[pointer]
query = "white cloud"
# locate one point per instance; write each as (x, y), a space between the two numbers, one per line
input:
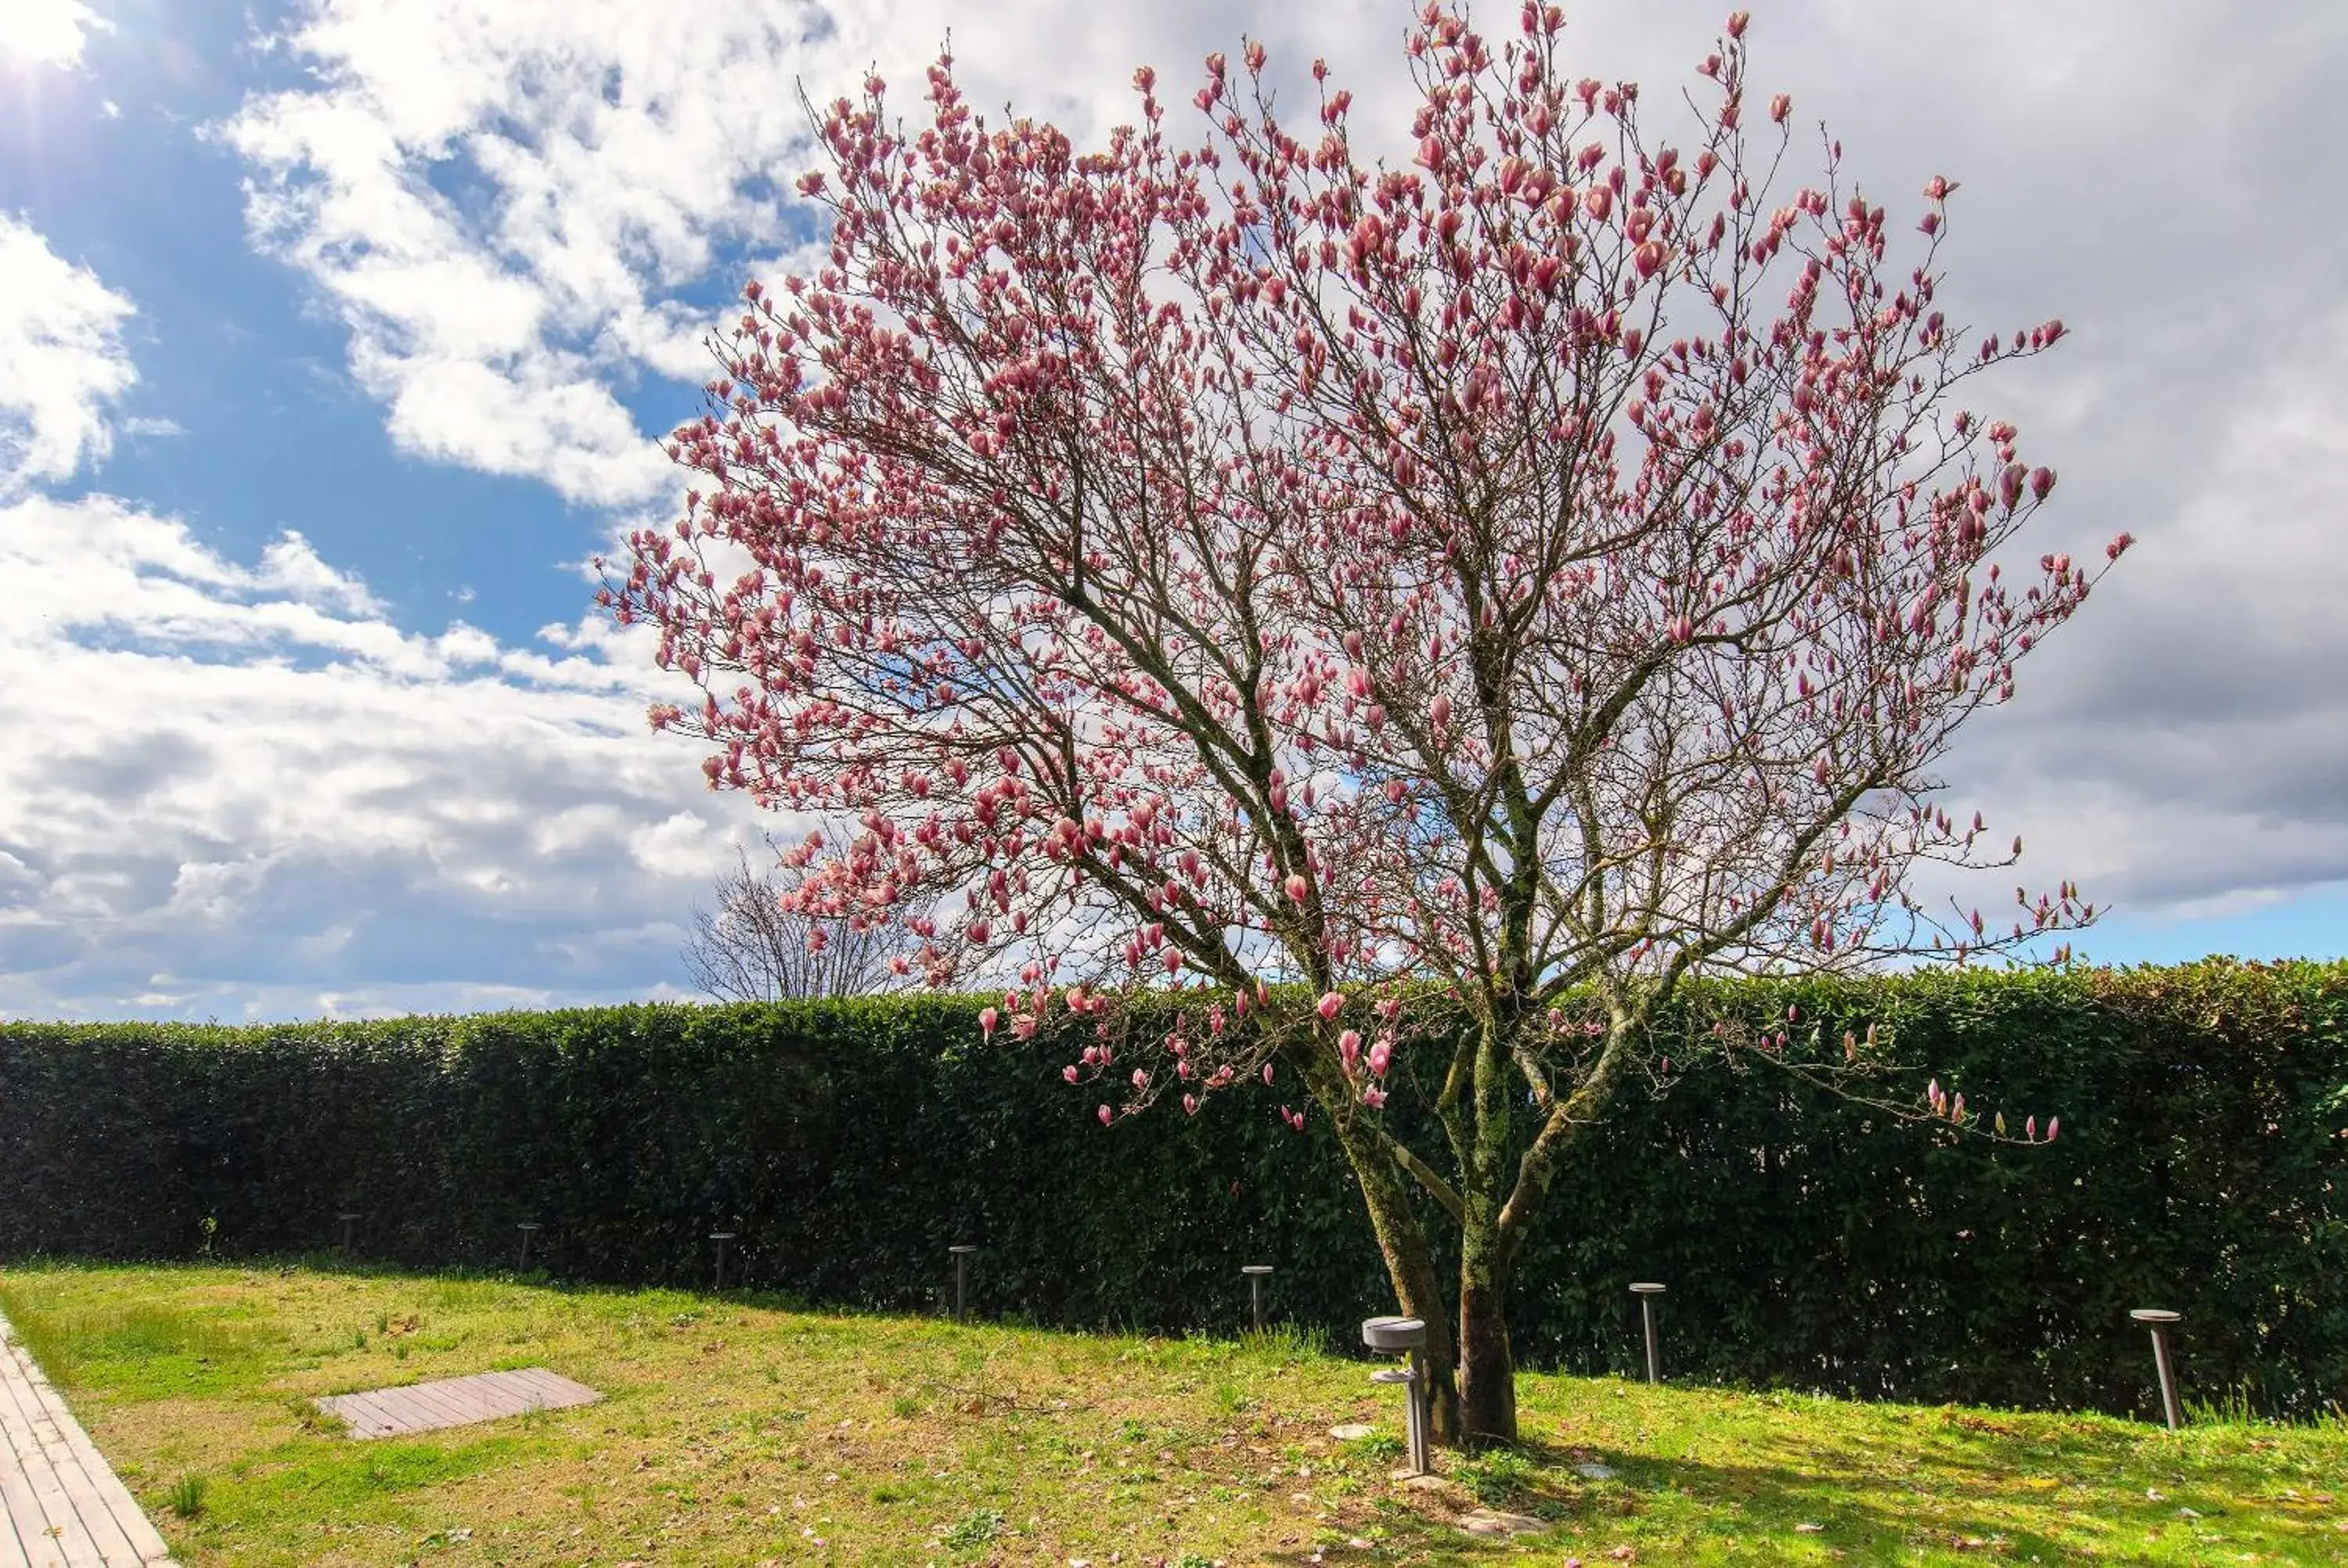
(251, 789)
(518, 209)
(498, 200)
(62, 362)
(48, 32)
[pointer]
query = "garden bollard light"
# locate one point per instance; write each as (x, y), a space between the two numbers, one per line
(2157, 1320)
(962, 1276)
(1405, 1335)
(528, 1228)
(721, 1238)
(347, 1221)
(1646, 1292)
(1256, 1274)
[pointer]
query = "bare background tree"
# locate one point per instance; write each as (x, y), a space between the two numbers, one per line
(752, 950)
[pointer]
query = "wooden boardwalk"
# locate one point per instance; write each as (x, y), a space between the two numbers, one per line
(61, 1505)
(453, 1402)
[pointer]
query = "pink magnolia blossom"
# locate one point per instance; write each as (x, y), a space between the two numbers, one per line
(1331, 1004)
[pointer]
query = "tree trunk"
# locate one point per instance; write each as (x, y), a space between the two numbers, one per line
(1487, 1364)
(1410, 1264)
(1487, 1368)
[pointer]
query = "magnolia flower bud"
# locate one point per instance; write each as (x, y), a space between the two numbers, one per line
(987, 1018)
(1438, 713)
(1297, 887)
(1330, 1005)
(1349, 1047)
(1069, 1072)
(1106, 1115)
(1780, 107)
(1189, 1105)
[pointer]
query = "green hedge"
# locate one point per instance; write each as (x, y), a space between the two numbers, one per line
(1806, 1241)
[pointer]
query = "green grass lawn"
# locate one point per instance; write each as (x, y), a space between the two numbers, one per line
(740, 1432)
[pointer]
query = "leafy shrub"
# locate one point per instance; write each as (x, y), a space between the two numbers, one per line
(1807, 1242)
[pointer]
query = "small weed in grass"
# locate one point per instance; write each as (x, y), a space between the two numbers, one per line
(314, 1420)
(1496, 1476)
(186, 1497)
(980, 1527)
(1284, 1342)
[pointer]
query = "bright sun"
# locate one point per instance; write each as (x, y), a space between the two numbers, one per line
(46, 31)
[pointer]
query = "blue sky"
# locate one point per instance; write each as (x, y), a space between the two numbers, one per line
(334, 335)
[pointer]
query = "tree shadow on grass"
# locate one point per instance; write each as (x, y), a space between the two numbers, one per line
(1661, 1506)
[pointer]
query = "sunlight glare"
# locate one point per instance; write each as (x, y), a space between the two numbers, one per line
(46, 31)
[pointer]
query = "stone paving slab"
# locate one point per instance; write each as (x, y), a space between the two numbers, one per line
(451, 1403)
(61, 1504)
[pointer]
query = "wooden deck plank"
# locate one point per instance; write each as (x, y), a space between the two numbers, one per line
(447, 1403)
(364, 1414)
(98, 1496)
(16, 1501)
(560, 1392)
(139, 1534)
(55, 1428)
(61, 1504)
(55, 1533)
(467, 1398)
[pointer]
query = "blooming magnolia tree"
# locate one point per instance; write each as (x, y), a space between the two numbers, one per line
(1515, 580)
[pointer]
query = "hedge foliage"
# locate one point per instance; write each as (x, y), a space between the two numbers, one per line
(1807, 1241)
